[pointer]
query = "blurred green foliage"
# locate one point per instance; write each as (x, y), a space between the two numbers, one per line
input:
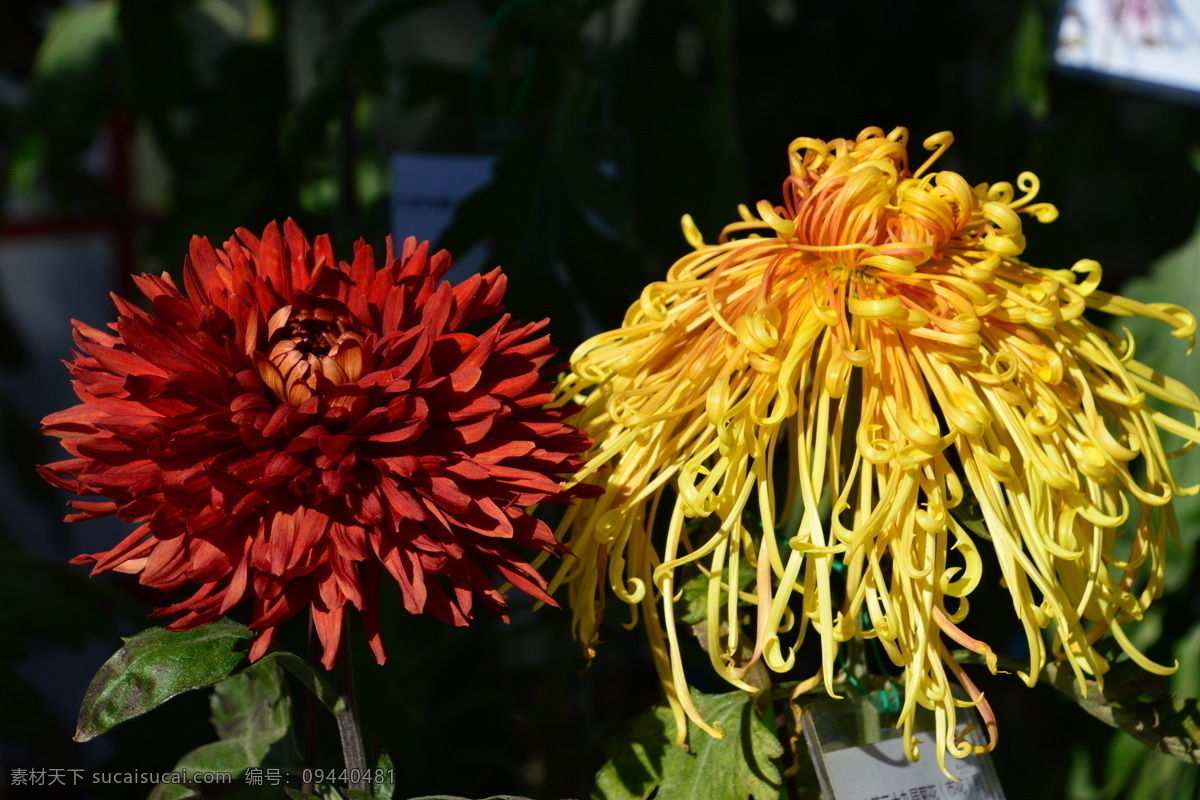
(610, 120)
(1123, 768)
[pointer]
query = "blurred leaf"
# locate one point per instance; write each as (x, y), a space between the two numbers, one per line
(159, 73)
(1173, 279)
(354, 52)
(251, 714)
(1123, 768)
(71, 91)
(644, 760)
(156, 665)
(1128, 770)
(299, 795)
(71, 60)
(1031, 58)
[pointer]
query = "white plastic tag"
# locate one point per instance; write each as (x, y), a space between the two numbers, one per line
(857, 758)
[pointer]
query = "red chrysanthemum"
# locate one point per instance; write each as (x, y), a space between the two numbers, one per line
(289, 427)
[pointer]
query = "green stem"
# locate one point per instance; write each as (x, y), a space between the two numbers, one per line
(347, 719)
(309, 730)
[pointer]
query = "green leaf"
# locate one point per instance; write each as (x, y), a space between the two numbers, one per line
(72, 83)
(357, 794)
(692, 606)
(312, 678)
(645, 759)
(969, 514)
(71, 90)
(157, 664)
(75, 34)
(296, 794)
(385, 788)
(154, 666)
(251, 713)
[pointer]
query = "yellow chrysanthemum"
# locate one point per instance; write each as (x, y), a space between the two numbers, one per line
(849, 368)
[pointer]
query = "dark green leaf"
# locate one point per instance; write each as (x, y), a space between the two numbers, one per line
(251, 713)
(1133, 703)
(296, 794)
(154, 666)
(1132, 700)
(157, 664)
(645, 757)
(357, 794)
(969, 514)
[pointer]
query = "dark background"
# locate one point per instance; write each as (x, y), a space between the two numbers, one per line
(137, 123)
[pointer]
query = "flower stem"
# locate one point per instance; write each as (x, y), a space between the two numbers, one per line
(308, 735)
(347, 719)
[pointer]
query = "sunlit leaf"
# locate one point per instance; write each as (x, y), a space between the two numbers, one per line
(644, 760)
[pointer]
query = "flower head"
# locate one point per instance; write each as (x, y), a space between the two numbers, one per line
(821, 395)
(290, 427)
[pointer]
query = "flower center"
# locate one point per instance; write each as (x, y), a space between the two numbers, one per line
(305, 347)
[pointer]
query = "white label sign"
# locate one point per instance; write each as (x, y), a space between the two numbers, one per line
(881, 772)
(1156, 44)
(857, 757)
